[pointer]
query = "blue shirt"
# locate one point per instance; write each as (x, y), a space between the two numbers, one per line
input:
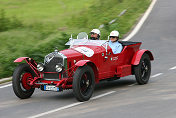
(116, 47)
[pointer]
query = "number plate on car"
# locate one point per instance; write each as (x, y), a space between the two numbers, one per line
(50, 88)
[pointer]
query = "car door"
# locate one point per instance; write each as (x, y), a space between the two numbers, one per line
(106, 64)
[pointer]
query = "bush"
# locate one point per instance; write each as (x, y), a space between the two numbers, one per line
(8, 23)
(36, 50)
(3, 21)
(54, 41)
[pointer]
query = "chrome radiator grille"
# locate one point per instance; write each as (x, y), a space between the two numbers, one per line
(50, 67)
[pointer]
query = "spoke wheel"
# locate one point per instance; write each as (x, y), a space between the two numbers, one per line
(25, 79)
(143, 70)
(83, 83)
(22, 76)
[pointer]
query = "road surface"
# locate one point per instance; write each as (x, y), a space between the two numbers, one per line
(116, 99)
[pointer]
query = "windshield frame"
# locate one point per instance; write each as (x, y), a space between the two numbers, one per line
(74, 42)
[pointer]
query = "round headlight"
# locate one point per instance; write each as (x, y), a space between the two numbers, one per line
(40, 67)
(58, 67)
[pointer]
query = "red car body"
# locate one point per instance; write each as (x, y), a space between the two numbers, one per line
(100, 58)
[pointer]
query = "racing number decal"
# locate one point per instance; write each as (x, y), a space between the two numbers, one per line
(86, 51)
(114, 58)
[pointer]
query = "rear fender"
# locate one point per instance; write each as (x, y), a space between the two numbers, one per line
(137, 56)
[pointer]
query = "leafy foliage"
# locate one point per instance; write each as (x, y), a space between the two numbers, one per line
(8, 23)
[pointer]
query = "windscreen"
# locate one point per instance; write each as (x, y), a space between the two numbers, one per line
(86, 42)
(82, 39)
(82, 35)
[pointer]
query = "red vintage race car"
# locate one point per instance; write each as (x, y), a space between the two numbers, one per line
(80, 67)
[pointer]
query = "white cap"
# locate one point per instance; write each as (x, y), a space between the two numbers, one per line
(114, 33)
(97, 31)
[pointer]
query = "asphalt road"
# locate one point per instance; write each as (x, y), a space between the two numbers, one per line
(157, 99)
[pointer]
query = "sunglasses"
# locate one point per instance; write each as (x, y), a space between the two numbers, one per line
(112, 36)
(92, 33)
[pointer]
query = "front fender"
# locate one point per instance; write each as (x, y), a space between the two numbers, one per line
(82, 62)
(20, 59)
(91, 64)
(137, 56)
(31, 63)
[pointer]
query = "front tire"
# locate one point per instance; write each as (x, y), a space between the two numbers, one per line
(20, 82)
(143, 70)
(83, 83)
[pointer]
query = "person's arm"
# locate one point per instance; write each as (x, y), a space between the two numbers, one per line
(118, 49)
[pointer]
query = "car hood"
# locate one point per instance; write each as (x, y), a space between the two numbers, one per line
(87, 51)
(69, 53)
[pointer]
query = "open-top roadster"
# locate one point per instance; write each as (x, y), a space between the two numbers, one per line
(85, 63)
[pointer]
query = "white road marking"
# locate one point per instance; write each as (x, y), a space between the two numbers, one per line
(69, 106)
(5, 86)
(172, 68)
(99, 96)
(5, 79)
(139, 25)
(58, 109)
(156, 75)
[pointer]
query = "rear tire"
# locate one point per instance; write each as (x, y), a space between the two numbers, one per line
(83, 83)
(20, 80)
(143, 70)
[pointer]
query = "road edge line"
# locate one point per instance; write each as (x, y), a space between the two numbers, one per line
(141, 22)
(4, 86)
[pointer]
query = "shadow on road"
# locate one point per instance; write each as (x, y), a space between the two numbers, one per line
(100, 88)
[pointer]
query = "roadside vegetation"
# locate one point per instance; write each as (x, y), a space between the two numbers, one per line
(35, 28)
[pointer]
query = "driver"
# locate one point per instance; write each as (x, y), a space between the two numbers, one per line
(113, 43)
(95, 34)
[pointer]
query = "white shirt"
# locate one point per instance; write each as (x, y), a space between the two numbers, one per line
(115, 46)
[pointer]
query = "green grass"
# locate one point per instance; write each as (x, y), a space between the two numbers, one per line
(48, 24)
(47, 12)
(105, 11)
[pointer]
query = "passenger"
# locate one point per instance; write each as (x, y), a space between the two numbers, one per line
(113, 43)
(95, 34)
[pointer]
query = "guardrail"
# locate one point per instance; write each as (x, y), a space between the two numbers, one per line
(112, 21)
